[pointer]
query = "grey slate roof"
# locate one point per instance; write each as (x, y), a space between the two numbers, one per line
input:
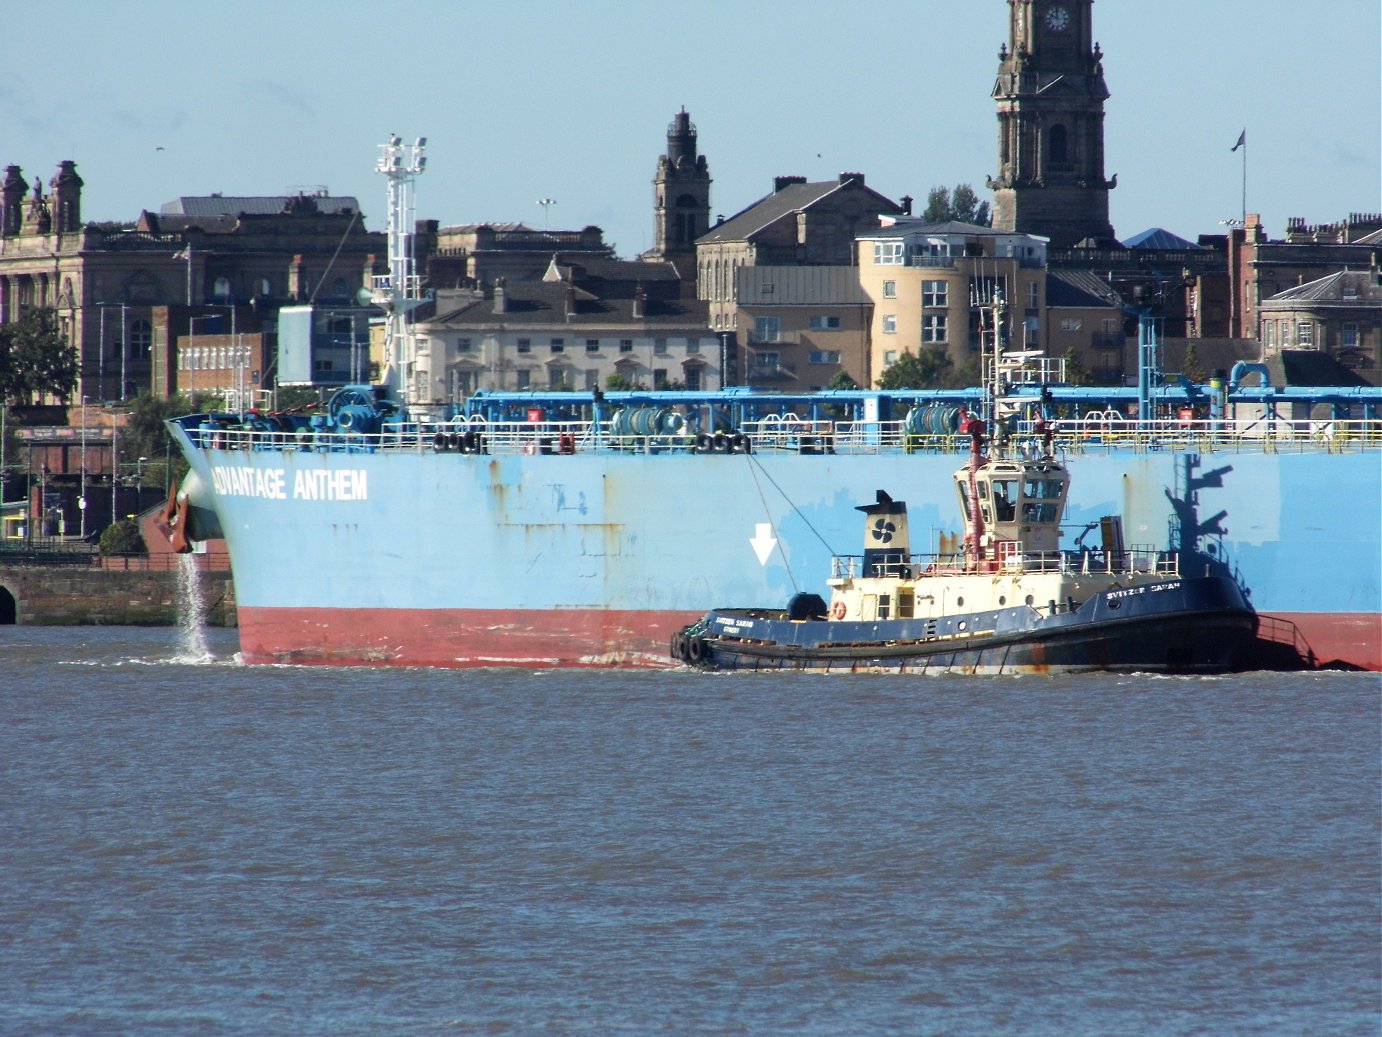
(743, 225)
(1331, 289)
(800, 286)
(1160, 240)
(1078, 289)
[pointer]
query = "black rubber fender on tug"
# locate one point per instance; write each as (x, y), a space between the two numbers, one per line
(697, 651)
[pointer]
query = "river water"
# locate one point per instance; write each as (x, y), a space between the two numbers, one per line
(189, 846)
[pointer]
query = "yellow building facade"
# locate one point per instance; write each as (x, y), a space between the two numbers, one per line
(931, 283)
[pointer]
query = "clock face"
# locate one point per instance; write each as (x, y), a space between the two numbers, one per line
(1057, 19)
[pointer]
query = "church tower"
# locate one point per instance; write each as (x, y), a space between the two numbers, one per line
(1050, 94)
(681, 193)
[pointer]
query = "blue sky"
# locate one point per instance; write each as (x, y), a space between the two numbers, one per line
(529, 99)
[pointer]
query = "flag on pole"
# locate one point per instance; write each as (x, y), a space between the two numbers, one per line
(1242, 141)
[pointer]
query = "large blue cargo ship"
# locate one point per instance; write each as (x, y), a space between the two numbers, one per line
(570, 529)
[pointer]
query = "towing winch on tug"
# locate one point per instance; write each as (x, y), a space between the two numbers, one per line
(1005, 598)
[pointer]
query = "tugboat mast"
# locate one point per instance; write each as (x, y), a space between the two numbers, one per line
(399, 291)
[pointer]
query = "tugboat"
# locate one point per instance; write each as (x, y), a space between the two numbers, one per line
(1006, 600)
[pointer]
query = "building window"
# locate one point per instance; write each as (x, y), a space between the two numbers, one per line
(693, 378)
(660, 347)
(626, 345)
(521, 379)
(558, 345)
(887, 253)
(1071, 324)
(659, 378)
(890, 289)
(592, 345)
(463, 345)
(890, 324)
(1033, 296)
(693, 345)
(825, 356)
(592, 379)
(221, 289)
(141, 339)
(1348, 336)
(1305, 335)
(1270, 328)
(767, 329)
(933, 328)
(525, 345)
(824, 323)
(889, 357)
(935, 293)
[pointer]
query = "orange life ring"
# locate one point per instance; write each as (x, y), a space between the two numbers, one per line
(838, 610)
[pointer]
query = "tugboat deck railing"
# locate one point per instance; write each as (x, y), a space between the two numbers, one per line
(1137, 560)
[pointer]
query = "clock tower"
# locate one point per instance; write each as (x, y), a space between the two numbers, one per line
(1050, 94)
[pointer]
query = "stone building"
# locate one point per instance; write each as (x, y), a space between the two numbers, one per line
(579, 325)
(124, 292)
(1050, 94)
(1339, 315)
(799, 224)
(681, 198)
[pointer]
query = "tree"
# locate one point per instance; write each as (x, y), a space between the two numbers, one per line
(842, 380)
(962, 204)
(618, 383)
(122, 538)
(1194, 370)
(146, 435)
(925, 370)
(35, 360)
(1075, 373)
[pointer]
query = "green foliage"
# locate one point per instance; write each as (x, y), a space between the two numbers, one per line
(297, 397)
(1075, 373)
(34, 358)
(842, 381)
(1194, 370)
(618, 383)
(962, 204)
(925, 370)
(123, 539)
(146, 435)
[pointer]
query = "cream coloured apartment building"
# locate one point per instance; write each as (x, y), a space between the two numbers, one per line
(929, 281)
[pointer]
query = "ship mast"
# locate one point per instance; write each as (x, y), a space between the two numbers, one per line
(399, 291)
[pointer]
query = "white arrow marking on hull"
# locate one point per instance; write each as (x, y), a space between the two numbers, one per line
(763, 541)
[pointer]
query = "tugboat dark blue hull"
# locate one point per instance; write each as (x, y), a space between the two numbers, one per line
(1182, 626)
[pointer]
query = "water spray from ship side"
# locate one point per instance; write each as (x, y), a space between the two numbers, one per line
(191, 609)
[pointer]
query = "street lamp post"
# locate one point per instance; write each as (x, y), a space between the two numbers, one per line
(81, 498)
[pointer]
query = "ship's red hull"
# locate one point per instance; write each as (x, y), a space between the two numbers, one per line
(538, 639)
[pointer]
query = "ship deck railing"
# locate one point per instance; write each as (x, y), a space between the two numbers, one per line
(788, 434)
(1142, 560)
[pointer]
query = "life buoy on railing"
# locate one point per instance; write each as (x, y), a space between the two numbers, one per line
(837, 610)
